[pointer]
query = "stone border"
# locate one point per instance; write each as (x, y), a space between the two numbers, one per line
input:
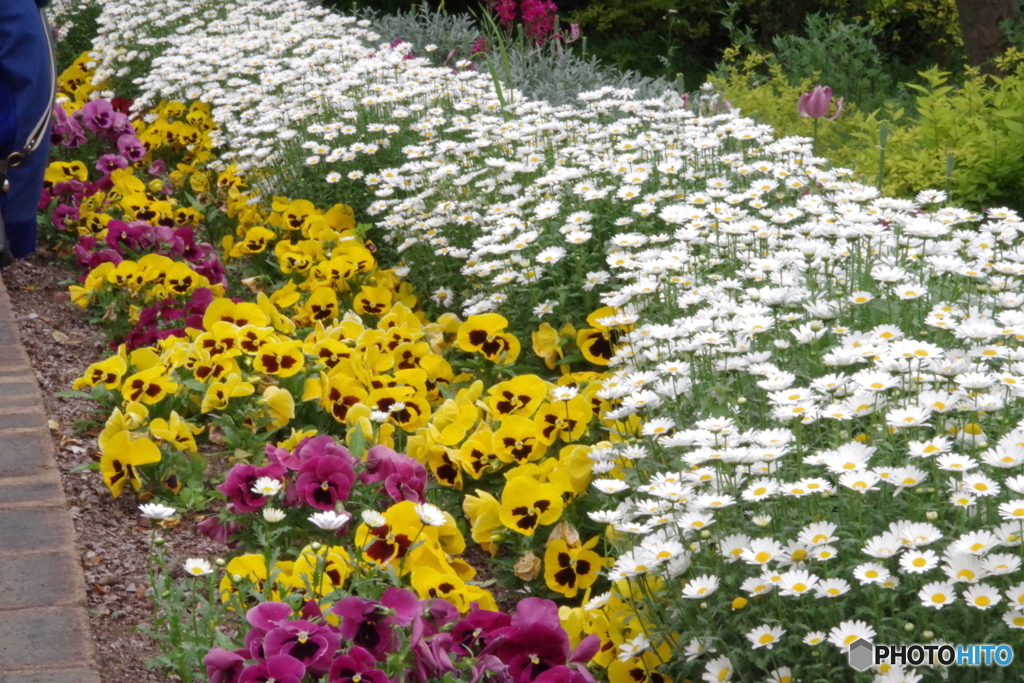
(44, 622)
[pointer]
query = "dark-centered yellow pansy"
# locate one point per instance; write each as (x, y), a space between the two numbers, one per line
(122, 458)
(108, 373)
(254, 241)
(409, 410)
(336, 393)
(322, 305)
(252, 338)
(148, 386)
(570, 569)
(520, 395)
(430, 583)
(331, 564)
(239, 314)
(176, 432)
(220, 393)
(485, 334)
(527, 504)
(518, 441)
(211, 369)
(375, 301)
(220, 340)
(597, 342)
(284, 358)
(330, 352)
(180, 279)
(565, 420)
(298, 257)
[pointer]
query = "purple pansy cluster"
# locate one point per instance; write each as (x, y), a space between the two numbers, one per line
(431, 637)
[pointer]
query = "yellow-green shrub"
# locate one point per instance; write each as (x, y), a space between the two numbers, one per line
(979, 126)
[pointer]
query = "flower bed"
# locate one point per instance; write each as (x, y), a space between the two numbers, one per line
(718, 409)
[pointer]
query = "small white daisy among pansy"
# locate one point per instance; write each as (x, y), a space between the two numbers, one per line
(156, 511)
(198, 567)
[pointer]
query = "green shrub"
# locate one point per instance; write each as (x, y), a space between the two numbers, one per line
(978, 126)
(844, 55)
(556, 75)
(423, 26)
(551, 72)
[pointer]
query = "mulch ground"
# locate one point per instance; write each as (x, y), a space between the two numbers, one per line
(113, 540)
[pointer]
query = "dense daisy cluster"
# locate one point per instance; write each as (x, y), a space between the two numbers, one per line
(814, 389)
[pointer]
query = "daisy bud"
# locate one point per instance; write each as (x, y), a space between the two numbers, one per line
(742, 400)
(237, 578)
(931, 514)
(927, 635)
(158, 541)
(316, 545)
(220, 562)
(703, 605)
(908, 626)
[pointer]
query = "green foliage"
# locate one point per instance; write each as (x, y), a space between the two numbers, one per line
(551, 72)
(842, 55)
(980, 124)
(772, 99)
(422, 26)
(557, 75)
(928, 29)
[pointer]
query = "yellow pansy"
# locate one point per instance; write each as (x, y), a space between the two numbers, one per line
(527, 504)
(517, 440)
(122, 457)
(176, 431)
(148, 386)
(220, 394)
(280, 405)
(108, 373)
(486, 335)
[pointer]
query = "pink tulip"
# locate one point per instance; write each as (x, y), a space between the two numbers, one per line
(815, 104)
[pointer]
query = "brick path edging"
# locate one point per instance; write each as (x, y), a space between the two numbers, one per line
(44, 622)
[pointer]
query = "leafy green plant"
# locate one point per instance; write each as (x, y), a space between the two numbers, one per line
(843, 55)
(980, 126)
(452, 34)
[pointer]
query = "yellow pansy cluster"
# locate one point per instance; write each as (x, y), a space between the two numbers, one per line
(150, 278)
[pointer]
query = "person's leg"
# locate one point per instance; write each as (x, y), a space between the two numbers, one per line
(26, 82)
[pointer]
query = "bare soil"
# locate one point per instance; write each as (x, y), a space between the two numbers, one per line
(113, 540)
